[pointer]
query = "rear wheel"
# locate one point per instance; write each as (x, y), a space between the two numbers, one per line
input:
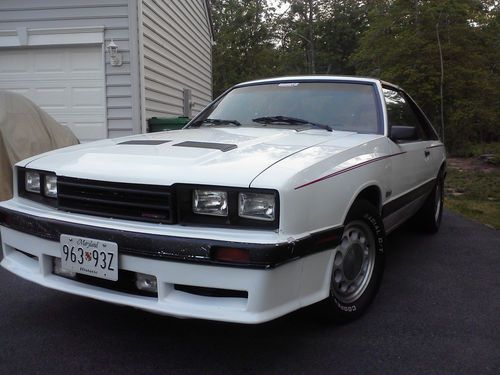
(429, 216)
(358, 264)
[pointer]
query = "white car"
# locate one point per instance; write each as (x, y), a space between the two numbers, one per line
(278, 195)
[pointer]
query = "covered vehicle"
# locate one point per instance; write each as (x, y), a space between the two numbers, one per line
(277, 196)
(25, 130)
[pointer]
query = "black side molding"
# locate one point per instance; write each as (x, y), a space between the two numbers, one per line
(409, 197)
(224, 147)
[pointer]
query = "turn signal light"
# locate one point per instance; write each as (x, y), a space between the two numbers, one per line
(230, 254)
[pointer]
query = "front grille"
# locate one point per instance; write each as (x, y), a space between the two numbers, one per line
(149, 203)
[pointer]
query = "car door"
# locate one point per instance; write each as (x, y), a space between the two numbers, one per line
(411, 164)
(434, 147)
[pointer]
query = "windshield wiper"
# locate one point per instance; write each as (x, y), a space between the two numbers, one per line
(218, 121)
(289, 120)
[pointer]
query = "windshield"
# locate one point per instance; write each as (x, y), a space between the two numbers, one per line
(297, 105)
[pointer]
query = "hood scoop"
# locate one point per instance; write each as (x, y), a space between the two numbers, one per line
(151, 142)
(224, 147)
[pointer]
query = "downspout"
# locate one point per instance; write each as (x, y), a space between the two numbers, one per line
(142, 81)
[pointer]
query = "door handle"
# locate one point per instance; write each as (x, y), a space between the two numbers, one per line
(427, 153)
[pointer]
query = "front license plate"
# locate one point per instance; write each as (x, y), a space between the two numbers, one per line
(89, 257)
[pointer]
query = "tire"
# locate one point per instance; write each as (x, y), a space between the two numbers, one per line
(428, 218)
(358, 265)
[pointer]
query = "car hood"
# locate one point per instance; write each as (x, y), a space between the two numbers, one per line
(216, 156)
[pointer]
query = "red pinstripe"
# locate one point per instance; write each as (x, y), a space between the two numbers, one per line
(349, 169)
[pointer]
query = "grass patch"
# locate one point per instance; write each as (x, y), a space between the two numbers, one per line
(474, 194)
(484, 148)
(474, 151)
(481, 211)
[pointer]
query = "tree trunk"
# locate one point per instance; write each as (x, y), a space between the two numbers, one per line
(312, 51)
(441, 81)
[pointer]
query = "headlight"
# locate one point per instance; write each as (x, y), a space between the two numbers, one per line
(210, 202)
(32, 182)
(50, 186)
(227, 206)
(257, 206)
(38, 186)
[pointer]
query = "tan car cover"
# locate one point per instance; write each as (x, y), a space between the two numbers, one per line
(25, 130)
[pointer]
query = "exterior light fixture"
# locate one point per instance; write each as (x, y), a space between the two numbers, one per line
(115, 57)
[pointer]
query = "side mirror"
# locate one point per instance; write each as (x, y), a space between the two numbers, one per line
(402, 133)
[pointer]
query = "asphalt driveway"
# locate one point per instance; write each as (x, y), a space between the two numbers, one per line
(438, 312)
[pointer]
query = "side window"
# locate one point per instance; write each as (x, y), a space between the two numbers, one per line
(401, 113)
(424, 122)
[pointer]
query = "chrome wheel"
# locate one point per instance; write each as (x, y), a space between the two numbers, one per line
(353, 262)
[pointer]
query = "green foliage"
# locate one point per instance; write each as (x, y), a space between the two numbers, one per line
(484, 212)
(396, 40)
(327, 29)
(243, 42)
(401, 46)
(478, 149)
(475, 184)
(342, 24)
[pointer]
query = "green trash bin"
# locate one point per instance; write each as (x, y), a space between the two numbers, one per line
(160, 124)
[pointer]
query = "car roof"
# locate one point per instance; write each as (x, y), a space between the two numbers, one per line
(316, 78)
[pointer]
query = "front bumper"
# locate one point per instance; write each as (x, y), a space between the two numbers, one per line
(280, 279)
(197, 250)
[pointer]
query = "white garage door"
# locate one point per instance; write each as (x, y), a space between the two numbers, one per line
(67, 82)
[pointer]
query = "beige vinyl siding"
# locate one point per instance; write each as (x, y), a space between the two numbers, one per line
(122, 94)
(176, 55)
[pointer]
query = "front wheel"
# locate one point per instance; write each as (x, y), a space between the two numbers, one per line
(358, 264)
